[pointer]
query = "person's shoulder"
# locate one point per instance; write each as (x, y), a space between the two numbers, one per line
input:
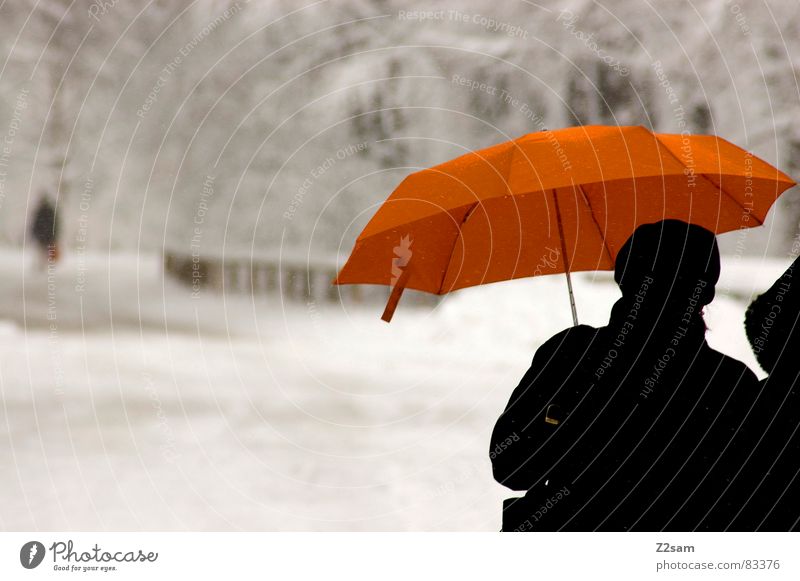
(733, 368)
(569, 339)
(578, 333)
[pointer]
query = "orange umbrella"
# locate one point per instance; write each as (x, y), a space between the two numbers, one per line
(554, 202)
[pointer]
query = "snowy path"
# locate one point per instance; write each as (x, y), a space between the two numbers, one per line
(145, 409)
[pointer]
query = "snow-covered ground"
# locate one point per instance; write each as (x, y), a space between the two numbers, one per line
(126, 404)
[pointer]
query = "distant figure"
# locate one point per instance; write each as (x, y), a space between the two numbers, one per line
(45, 231)
(621, 428)
(770, 496)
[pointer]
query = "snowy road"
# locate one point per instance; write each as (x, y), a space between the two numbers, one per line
(128, 405)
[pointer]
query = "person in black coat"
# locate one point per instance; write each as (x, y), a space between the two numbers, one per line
(44, 230)
(622, 427)
(769, 495)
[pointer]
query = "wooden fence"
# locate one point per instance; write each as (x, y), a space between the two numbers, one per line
(292, 278)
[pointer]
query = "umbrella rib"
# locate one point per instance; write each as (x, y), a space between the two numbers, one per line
(705, 177)
(594, 219)
(738, 203)
(469, 212)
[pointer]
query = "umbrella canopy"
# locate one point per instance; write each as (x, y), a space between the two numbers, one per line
(554, 202)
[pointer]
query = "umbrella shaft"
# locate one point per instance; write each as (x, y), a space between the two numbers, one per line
(566, 260)
(572, 300)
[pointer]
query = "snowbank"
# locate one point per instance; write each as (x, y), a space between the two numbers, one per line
(144, 409)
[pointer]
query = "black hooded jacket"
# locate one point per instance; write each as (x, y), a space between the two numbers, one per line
(769, 495)
(623, 427)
